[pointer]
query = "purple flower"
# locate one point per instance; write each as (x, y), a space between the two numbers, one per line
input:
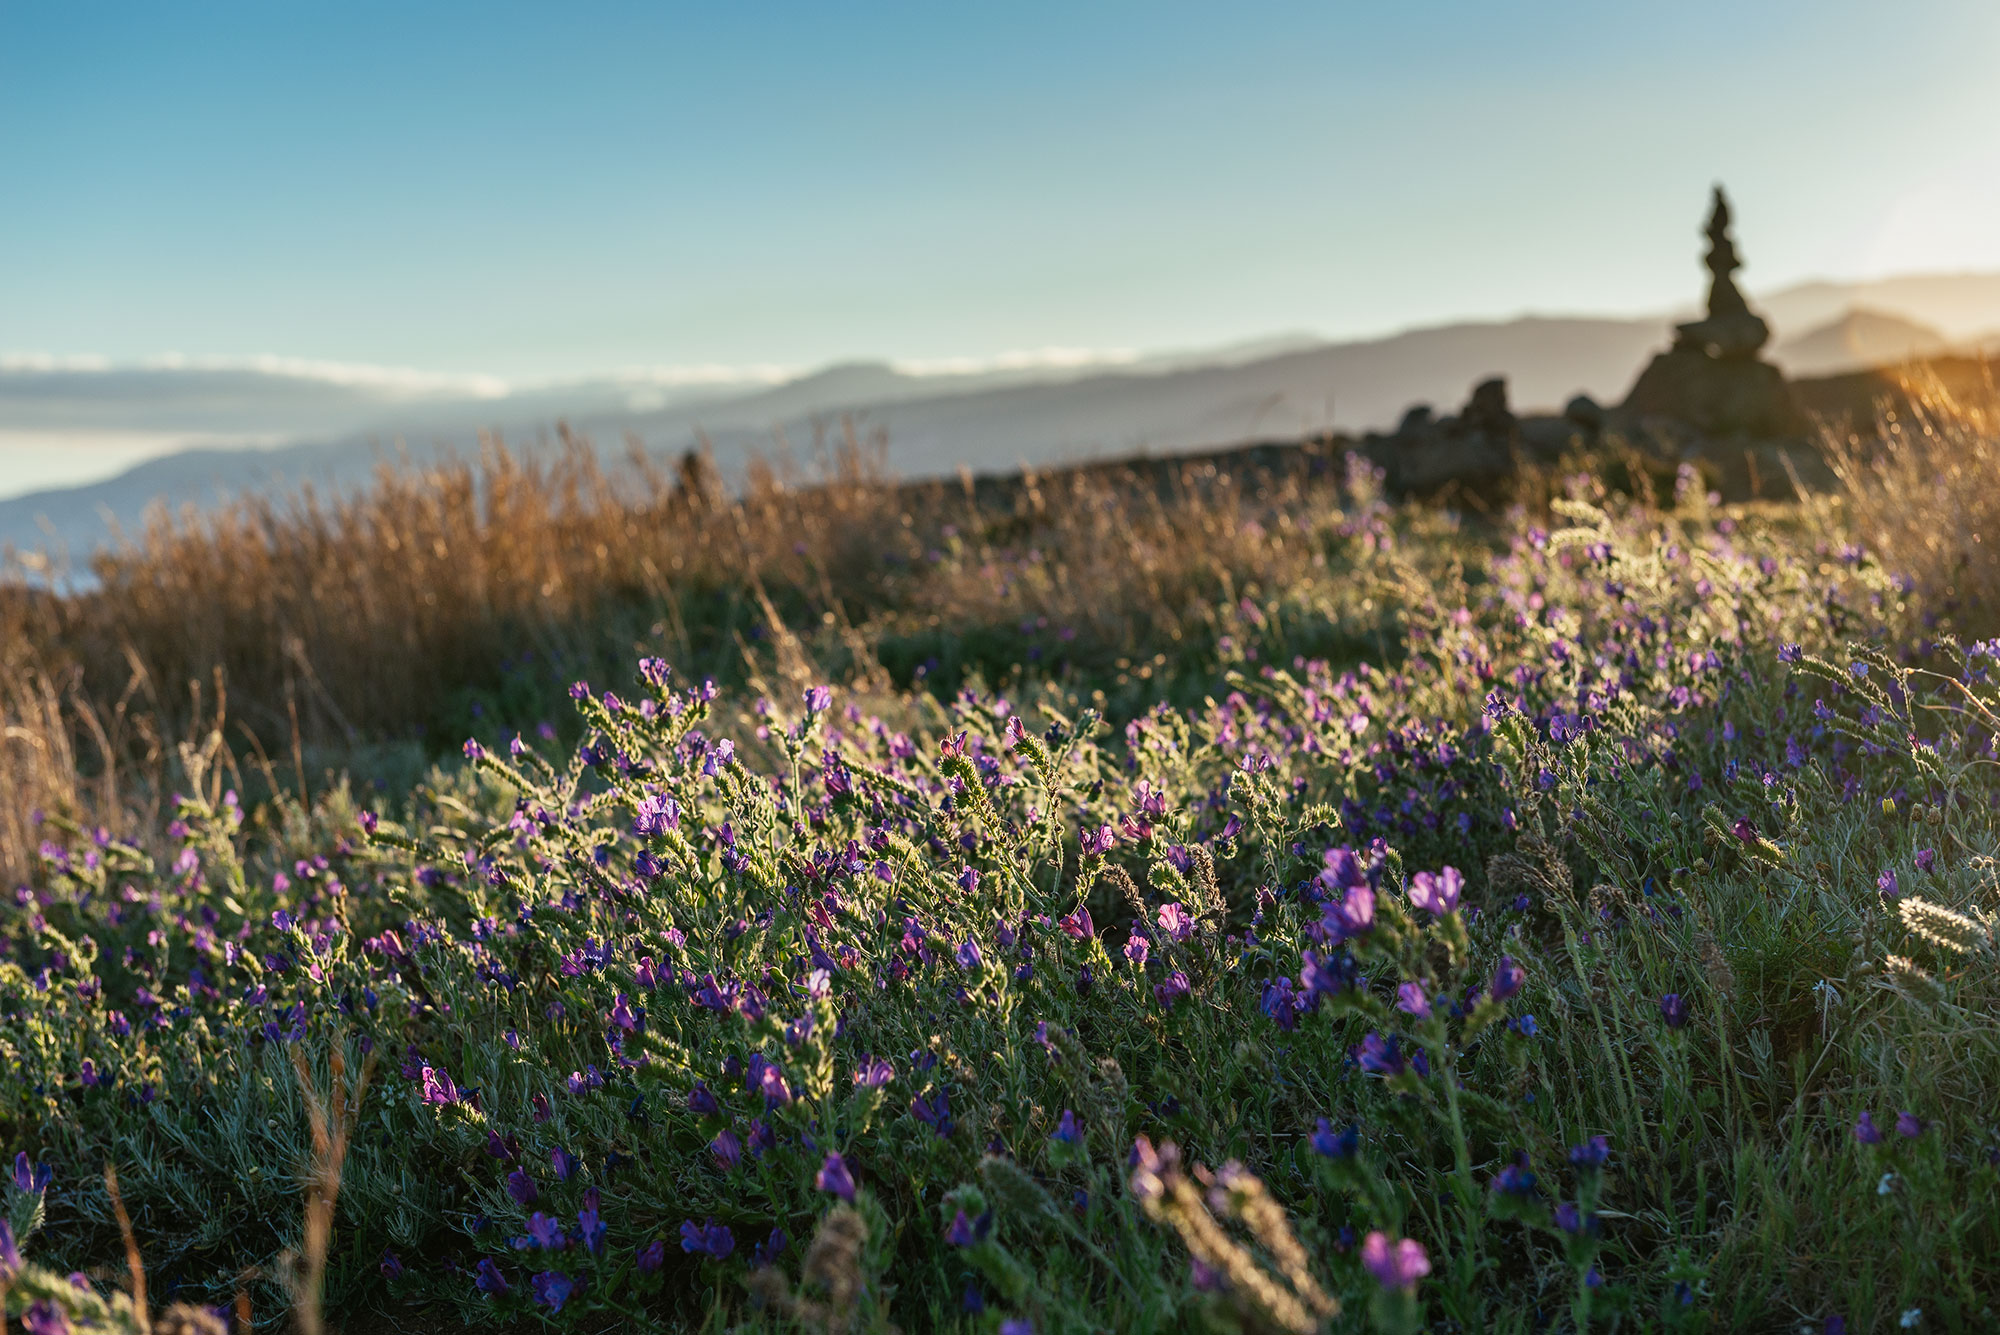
(10, 1254)
(1926, 859)
(1336, 1144)
(1437, 895)
(968, 880)
(968, 1232)
(1397, 1265)
(1866, 1131)
(438, 1087)
(1378, 1055)
(1745, 830)
(1320, 976)
(31, 1179)
(489, 1280)
(1280, 1003)
(770, 1249)
(818, 699)
(833, 1177)
(564, 1163)
(1077, 926)
(552, 1289)
(1567, 1218)
(1354, 915)
(1097, 843)
(1175, 921)
(591, 1228)
(1516, 1179)
(1886, 884)
(521, 1187)
(1674, 1010)
(727, 1148)
(1507, 978)
(545, 1232)
(652, 1256)
(1410, 1000)
(1017, 1326)
(968, 954)
(1067, 1131)
(1172, 989)
(709, 1239)
(1136, 948)
(1341, 869)
(873, 1072)
(391, 1266)
(771, 1081)
(1593, 1153)
(1908, 1125)
(702, 1101)
(933, 1112)
(45, 1318)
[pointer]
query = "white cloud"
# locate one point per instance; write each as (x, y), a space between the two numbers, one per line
(705, 373)
(395, 382)
(1026, 359)
(391, 381)
(42, 363)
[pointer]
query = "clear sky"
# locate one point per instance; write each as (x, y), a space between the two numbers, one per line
(548, 189)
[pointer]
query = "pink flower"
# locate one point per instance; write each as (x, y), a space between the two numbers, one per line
(1436, 895)
(1078, 925)
(1175, 921)
(1410, 1000)
(1397, 1265)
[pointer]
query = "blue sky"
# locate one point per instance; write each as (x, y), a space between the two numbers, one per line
(544, 190)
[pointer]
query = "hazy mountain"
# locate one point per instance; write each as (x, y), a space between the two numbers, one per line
(1958, 306)
(330, 425)
(1856, 341)
(933, 424)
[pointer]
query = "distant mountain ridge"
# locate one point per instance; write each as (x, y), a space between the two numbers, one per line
(934, 423)
(1856, 341)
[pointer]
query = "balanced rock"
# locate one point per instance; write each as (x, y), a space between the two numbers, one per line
(1711, 381)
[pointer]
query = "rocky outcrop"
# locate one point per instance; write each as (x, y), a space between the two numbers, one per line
(1427, 454)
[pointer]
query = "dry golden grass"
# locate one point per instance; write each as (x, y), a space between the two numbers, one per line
(334, 621)
(1922, 491)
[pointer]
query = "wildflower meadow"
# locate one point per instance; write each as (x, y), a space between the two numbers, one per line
(1573, 916)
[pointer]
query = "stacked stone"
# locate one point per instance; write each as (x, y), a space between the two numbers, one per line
(1712, 381)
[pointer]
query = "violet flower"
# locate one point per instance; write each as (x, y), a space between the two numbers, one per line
(1437, 894)
(833, 1177)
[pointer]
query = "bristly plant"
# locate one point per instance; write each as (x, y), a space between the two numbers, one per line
(1613, 927)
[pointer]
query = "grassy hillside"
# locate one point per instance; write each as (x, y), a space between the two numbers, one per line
(1101, 904)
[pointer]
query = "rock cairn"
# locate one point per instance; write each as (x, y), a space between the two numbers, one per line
(1711, 382)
